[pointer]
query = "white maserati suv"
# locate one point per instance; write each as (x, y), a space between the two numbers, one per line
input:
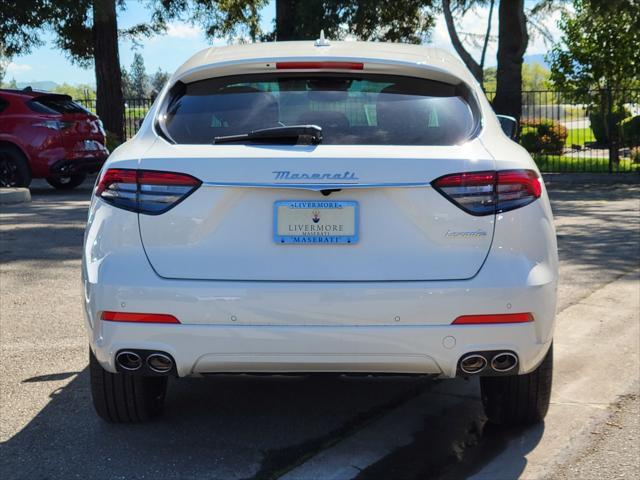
(304, 207)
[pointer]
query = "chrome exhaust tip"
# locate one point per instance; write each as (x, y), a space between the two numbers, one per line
(159, 362)
(504, 362)
(472, 364)
(129, 361)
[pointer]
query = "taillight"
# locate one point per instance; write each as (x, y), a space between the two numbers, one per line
(495, 318)
(486, 193)
(319, 65)
(138, 317)
(54, 124)
(145, 191)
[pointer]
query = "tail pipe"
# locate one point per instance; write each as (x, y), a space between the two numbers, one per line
(488, 363)
(159, 362)
(145, 362)
(129, 361)
(473, 363)
(504, 362)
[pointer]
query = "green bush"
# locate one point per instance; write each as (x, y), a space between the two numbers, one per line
(635, 155)
(599, 127)
(543, 136)
(631, 131)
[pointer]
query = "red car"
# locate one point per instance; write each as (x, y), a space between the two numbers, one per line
(47, 135)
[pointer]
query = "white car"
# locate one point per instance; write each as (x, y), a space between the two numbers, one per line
(306, 207)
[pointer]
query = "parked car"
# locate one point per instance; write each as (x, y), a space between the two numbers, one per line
(297, 207)
(47, 135)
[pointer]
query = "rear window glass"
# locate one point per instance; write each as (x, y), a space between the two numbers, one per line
(352, 109)
(55, 105)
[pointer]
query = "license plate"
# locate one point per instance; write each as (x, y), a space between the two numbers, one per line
(315, 222)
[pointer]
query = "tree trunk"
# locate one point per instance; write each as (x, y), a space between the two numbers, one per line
(285, 20)
(512, 43)
(109, 103)
(468, 60)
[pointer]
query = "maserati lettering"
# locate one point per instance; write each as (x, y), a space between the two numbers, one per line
(288, 175)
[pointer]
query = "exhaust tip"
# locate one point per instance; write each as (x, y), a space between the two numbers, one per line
(130, 361)
(504, 362)
(159, 362)
(472, 364)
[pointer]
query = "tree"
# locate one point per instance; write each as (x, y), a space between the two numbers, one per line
(81, 91)
(303, 20)
(109, 103)
(20, 22)
(598, 49)
(236, 20)
(158, 81)
(127, 85)
(87, 30)
(139, 79)
(476, 68)
(3, 66)
(597, 60)
(512, 43)
(387, 20)
(516, 24)
(535, 77)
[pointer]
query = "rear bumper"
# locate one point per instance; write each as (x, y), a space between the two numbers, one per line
(201, 349)
(398, 327)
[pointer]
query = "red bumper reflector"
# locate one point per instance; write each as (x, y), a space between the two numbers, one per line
(317, 65)
(138, 317)
(497, 318)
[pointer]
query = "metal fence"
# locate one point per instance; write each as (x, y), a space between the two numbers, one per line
(599, 133)
(134, 111)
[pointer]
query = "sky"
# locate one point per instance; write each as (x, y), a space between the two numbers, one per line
(181, 40)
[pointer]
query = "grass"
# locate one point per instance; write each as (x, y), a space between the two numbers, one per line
(579, 136)
(135, 111)
(565, 163)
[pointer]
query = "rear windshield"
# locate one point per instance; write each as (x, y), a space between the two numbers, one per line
(351, 109)
(55, 104)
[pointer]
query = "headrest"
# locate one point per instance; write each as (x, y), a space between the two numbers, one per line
(241, 105)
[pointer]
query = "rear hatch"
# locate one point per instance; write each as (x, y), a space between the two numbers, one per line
(80, 129)
(260, 208)
(226, 229)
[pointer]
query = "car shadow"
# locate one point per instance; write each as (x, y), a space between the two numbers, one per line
(597, 231)
(217, 427)
(50, 228)
(247, 427)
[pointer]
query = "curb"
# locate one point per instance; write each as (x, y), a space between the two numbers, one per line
(14, 195)
(580, 179)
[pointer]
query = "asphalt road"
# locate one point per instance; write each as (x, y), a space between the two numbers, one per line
(241, 427)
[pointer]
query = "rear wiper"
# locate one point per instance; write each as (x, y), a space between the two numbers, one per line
(295, 134)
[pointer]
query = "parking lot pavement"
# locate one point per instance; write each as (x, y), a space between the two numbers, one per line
(330, 427)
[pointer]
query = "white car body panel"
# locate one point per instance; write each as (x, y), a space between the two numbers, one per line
(385, 304)
(218, 233)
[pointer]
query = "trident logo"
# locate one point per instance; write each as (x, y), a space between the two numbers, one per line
(316, 216)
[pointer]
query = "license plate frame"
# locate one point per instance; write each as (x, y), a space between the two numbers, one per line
(322, 238)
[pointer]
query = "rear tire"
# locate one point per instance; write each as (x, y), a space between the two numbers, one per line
(14, 169)
(122, 398)
(519, 399)
(66, 182)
